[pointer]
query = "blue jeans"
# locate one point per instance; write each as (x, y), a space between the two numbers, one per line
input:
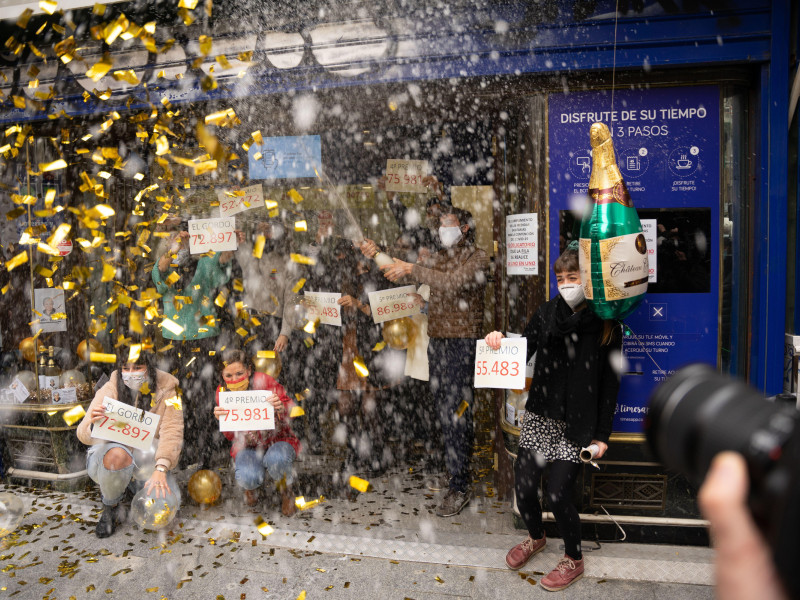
(112, 483)
(452, 361)
(249, 465)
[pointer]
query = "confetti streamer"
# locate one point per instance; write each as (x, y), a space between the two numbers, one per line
(362, 485)
(360, 367)
(264, 528)
(73, 415)
(172, 327)
(462, 408)
(258, 246)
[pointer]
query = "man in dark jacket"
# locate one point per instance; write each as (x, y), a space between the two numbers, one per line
(457, 276)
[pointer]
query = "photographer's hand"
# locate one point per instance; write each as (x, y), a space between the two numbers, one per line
(743, 562)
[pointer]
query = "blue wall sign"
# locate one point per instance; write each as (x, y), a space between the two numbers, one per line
(668, 149)
(287, 157)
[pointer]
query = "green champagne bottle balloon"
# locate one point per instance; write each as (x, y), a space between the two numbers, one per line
(613, 251)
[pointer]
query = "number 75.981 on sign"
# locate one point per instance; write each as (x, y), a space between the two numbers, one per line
(502, 368)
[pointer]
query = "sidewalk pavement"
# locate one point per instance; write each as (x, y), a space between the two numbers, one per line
(388, 543)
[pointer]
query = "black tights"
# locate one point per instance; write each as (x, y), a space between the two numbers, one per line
(527, 474)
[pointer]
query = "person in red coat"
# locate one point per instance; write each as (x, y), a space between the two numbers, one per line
(255, 452)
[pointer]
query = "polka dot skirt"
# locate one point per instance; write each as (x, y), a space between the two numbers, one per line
(546, 437)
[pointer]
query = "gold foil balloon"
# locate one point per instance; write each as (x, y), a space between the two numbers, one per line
(72, 378)
(12, 510)
(94, 346)
(26, 347)
(269, 365)
(398, 333)
(205, 487)
(156, 513)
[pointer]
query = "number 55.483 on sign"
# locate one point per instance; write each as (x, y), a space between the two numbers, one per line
(503, 368)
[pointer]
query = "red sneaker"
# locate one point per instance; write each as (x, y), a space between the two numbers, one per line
(520, 554)
(567, 572)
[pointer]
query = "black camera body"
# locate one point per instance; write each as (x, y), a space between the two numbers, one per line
(697, 413)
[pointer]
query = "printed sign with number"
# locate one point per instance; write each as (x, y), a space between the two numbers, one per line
(406, 175)
(247, 411)
(324, 306)
(230, 204)
(126, 425)
(394, 303)
(218, 235)
(503, 368)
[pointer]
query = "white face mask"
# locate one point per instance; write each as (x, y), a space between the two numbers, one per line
(572, 294)
(449, 235)
(134, 380)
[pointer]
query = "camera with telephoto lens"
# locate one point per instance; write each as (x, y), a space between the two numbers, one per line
(697, 413)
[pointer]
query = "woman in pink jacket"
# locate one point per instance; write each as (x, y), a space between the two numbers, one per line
(253, 452)
(113, 466)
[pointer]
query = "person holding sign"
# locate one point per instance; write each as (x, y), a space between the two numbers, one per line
(268, 281)
(570, 405)
(152, 396)
(457, 279)
(256, 451)
(417, 237)
(188, 286)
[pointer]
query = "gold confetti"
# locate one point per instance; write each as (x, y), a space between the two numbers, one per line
(258, 246)
(152, 589)
(379, 346)
(462, 408)
(296, 412)
(102, 357)
(19, 259)
(301, 225)
(295, 196)
(190, 4)
(222, 118)
(302, 595)
(73, 415)
(264, 528)
(360, 367)
(172, 327)
(439, 579)
(303, 260)
(172, 278)
(310, 327)
(109, 272)
(299, 285)
(48, 6)
(22, 21)
(265, 354)
(126, 75)
(134, 352)
(362, 485)
(53, 166)
(175, 402)
(301, 503)
(100, 68)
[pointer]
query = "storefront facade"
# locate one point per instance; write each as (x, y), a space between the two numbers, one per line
(498, 98)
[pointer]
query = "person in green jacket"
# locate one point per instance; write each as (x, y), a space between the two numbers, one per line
(188, 286)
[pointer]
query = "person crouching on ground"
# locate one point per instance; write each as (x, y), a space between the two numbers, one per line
(254, 451)
(110, 464)
(570, 405)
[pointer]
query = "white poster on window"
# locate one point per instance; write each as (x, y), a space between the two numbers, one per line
(50, 305)
(522, 244)
(406, 175)
(237, 200)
